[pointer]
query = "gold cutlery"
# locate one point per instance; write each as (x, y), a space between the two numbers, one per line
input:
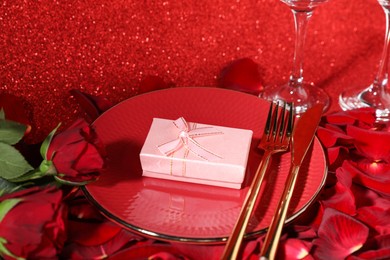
(275, 139)
(302, 138)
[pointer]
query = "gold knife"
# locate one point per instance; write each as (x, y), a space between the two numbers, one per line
(302, 138)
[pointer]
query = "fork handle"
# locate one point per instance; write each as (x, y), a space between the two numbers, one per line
(271, 240)
(234, 242)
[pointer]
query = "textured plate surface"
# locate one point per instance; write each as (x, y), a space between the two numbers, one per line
(185, 212)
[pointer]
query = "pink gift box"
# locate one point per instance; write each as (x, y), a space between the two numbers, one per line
(197, 153)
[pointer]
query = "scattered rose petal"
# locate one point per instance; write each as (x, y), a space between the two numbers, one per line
(121, 240)
(152, 83)
(92, 233)
(199, 251)
(361, 117)
(330, 137)
(340, 197)
(377, 182)
(293, 249)
(374, 145)
(94, 106)
(336, 155)
(141, 251)
(344, 177)
(339, 236)
(369, 198)
(82, 209)
(375, 168)
(377, 247)
(375, 217)
(242, 75)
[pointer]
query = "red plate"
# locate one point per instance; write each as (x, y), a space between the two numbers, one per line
(178, 211)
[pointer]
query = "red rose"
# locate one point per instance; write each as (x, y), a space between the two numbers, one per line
(76, 153)
(34, 227)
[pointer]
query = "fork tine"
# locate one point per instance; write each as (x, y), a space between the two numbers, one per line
(267, 128)
(290, 122)
(275, 120)
(282, 123)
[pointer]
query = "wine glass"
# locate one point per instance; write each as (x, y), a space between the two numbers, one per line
(303, 94)
(377, 95)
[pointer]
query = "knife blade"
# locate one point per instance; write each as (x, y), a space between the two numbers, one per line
(302, 138)
(304, 132)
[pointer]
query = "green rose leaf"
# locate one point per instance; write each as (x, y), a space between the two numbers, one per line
(2, 115)
(7, 187)
(46, 143)
(11, 132)
(12, 163)
(7, 205)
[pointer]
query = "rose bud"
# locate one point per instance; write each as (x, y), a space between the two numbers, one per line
(75, 155)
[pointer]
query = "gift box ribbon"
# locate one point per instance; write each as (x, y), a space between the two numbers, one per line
(186, 139)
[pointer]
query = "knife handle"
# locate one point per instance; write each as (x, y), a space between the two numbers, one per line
(271, 240)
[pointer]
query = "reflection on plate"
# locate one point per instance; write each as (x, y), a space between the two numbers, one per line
(177, 211)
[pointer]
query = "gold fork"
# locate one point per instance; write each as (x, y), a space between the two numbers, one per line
(275, 139)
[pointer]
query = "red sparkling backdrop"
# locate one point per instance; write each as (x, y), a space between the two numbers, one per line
(49, 47)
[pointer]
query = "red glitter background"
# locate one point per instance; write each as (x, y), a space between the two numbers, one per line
(49, 47)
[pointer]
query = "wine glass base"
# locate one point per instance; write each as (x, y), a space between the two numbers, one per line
(367, 98)
(304, 97)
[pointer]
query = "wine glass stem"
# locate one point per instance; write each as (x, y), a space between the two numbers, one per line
(301, 19)
(382, 76)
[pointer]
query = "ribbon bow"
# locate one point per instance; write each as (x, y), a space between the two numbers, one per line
(186, 138)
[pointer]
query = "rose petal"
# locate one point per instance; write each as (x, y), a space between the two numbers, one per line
(152, 83)
(71, 135)
(121, 240)
(362, 116)
(82, 209)
(377, 247)
(242, 75)
(374, 168)
(89, 161)
(339, 235)
(330, 137)
(92, 105)
(336, 155)
(372, 144)
(152, 251)
(379, 183)
(375, 217)
(344, 177)
(92, 233)
(340, 197)
(294, 249)
(199, 251)
(365, 197)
